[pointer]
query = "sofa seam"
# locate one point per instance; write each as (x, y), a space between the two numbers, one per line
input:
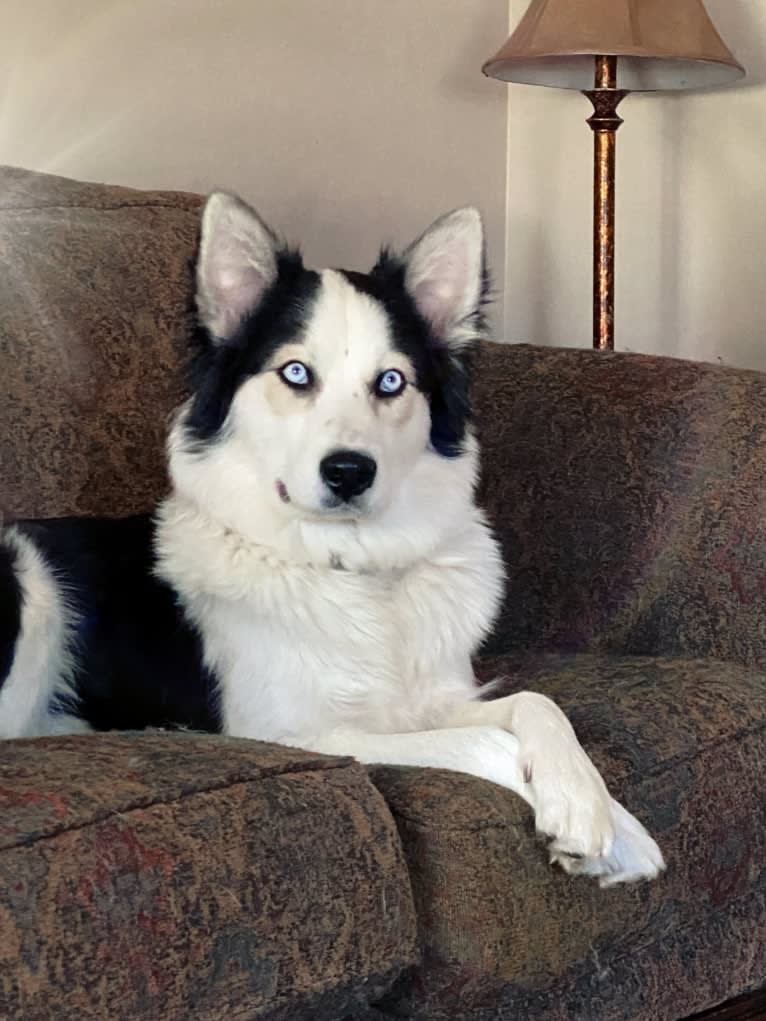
(105, 209)
(683, 760)
(647, 777)
(154, 802)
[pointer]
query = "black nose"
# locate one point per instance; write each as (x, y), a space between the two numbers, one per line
(348, 473)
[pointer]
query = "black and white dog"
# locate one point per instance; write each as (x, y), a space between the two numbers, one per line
(320, 574)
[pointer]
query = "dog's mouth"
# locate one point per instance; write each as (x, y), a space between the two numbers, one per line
(330, 504)
(336, 507)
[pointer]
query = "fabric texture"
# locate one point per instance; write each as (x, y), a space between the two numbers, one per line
(682, 744)
(629, 492)
(189, 877)
(193, 878)
(96, 300)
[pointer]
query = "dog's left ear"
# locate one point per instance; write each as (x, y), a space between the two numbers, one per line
(445, 275)
(236, 265)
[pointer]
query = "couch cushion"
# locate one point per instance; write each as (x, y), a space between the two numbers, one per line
(683, 745)
(192, 878)
(629, 492)
(95, 291)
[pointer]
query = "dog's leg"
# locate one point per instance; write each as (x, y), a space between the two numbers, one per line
(570, 798)
(487, 752)
(529, 748)
(525, 743)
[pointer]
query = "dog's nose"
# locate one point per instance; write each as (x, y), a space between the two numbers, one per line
(348, 473)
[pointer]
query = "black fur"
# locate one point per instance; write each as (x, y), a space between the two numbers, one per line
(221, 366)
(139, 661)
(11, 599)
(444, 376)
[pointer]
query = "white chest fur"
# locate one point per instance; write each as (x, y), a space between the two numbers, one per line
(299, 647)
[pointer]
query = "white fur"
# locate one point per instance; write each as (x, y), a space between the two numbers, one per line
(444, 275)
(237, 263)
(375, 663)
(42, 662)
(350, 630)
(353, 633)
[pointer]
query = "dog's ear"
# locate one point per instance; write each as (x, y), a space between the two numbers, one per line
(446, 277)
(236, 264)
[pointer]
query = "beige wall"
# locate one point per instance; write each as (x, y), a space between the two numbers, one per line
(691, 215)
(348, 122)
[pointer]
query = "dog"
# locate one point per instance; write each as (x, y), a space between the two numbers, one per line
(320, 574)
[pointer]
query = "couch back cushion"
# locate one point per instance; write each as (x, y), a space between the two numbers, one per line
(629, 492)
(95, 311)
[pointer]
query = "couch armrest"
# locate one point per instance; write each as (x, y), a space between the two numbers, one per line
(190, 877)
(629, 493)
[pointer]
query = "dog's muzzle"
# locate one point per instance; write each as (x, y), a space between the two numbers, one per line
(347, 473)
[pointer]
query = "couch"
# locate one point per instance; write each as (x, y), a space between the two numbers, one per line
(185, 877)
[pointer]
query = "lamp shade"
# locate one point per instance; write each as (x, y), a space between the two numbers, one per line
(662, 44)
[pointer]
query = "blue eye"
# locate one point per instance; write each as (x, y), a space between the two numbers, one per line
(296, 374)
(390, 383)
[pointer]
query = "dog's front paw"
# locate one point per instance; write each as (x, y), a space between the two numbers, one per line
(571, 802)
(569, 798)
(634, 855)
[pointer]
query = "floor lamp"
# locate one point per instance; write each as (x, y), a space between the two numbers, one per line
(606, 49)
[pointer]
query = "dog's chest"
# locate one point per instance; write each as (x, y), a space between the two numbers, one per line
(310, 650)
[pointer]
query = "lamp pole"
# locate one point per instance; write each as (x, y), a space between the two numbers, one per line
(605, 97)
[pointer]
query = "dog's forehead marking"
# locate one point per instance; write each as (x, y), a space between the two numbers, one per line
(347, 324)
(346, 342)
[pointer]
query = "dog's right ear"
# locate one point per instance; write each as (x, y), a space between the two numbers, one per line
(236, 264)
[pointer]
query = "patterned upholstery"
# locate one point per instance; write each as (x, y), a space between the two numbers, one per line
(682, 745)
(630, 495)
(144, 876)
(189, 878)
(95, 293)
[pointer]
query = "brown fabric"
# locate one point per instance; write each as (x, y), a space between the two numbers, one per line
(159, 881)
(661, 982)
(191, 878)
(628, 490)
(29, 189)
(683, 745)
(95, 314)
(630, 496)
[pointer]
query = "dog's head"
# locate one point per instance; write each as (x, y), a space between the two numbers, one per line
(331, 390)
